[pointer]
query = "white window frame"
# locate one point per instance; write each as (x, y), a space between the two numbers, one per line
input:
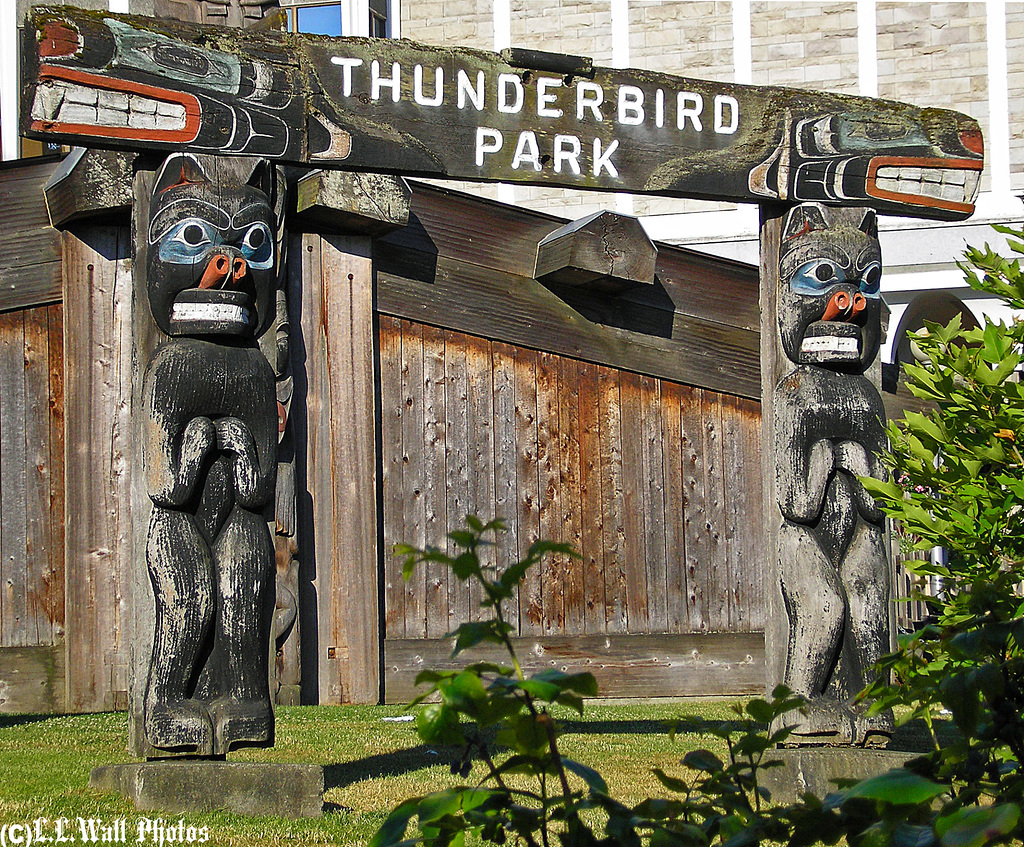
(355, 15)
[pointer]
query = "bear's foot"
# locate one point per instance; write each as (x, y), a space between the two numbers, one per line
(873, 731)
(241, 723)
(180, 726)
(823, 722)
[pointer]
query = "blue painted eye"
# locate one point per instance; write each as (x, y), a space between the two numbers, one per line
(870, 279)
(815, 276)
(258, 246)
(187, 241)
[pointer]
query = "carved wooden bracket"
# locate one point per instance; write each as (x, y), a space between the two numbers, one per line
(603, 252)
(364, 204)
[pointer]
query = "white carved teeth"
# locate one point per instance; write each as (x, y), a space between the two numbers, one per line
(66, 102)
(212, 312)
(954, 185)
(829, 344)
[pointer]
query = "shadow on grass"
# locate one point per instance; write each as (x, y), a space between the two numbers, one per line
(684, 726)
(8, 721)
(396, 763)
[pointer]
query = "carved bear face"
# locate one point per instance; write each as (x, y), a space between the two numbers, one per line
(212, 259)
(829, 272)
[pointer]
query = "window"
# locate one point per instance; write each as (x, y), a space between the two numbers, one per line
(379, 19)
(373, 18)
(317, 20)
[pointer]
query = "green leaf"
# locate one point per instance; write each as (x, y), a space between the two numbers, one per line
(437, 723)
(470, 634)
(761, 711)
(703, 760)
(672, 783)
(975, 827)
(899, 787)
(595, 782)
(395, 824)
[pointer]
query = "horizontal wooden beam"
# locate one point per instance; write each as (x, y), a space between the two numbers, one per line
(32, 680)
(29, 246)
(713, 664)
(393, 106)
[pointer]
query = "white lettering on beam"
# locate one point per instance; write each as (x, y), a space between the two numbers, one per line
(467, 91)
(487, 141)
(627, 105)
(724, 102)
(346, 72)
(417, 83)
(631, 105)
(567, 151)
(393, 82)
(589, 95)
(544, 99)
(527, 151)
(507, 82)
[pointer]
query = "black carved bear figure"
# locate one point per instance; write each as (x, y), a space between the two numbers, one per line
(828, 431)
(210, 454)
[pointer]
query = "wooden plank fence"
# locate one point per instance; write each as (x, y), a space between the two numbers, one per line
(606, 460)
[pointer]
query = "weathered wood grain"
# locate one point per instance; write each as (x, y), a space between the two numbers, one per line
(32, 680)
(672, 437)
(506, 465)
(413, 515)
(481, 427)
(53, 582)
(722, 664)
(432, 449)
(593, 517)
(531, 603)
(338, 334)
(652, 494)
(360, 104)
(522, 312)
(549, 491)
(392, 470)
(91, 184)
(633, 565)
(458, 468)
(99, 331)
(570, 474)
(14, 567)
(592, 456)
(364, 204)
(38, 602)
(605, 252)
(30, 249)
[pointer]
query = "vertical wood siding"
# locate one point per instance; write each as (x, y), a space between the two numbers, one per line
(657, 484)
(32, 477)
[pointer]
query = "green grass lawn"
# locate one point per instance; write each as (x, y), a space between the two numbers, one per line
(370, 763)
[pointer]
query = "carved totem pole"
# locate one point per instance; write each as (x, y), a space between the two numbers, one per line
(211, 420)
(828, 430)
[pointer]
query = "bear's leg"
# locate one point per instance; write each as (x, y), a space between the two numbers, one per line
(244, 563)
(816, 610)
(181, 572)
(865, 578)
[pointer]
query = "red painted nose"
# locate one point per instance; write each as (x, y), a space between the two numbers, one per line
(843, 306)
(221, 268)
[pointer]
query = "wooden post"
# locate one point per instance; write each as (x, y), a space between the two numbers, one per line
(98, 426)
(776, 627)
(334, 367)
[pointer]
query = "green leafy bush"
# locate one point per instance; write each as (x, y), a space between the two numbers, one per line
(958, 484)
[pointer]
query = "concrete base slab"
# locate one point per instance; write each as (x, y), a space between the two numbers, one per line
(813, 769)
(195, 785)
